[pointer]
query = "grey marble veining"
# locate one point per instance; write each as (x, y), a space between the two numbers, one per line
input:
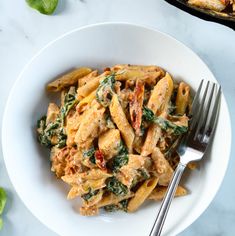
(24, 31)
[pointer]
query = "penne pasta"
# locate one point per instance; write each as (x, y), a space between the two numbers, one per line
(122, 123)
(153, 135)
(90, 86)
(159, 192)
(112, 199)
(87, 78)
(192, 165)
(68, 79)
(148, 77)
(142, 194)
(182, 98)
(158, 103)
(86, 102)
(161, 94)
(86, 89)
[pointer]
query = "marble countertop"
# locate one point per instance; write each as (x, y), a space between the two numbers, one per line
(24, 31)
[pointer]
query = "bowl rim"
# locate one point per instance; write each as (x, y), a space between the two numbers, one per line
(205, 204)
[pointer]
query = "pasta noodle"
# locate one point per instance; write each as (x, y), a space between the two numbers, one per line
(142, 194)
(182, 98)
(110, 138)
(122, 123)
(158, 103)
(87, 78)
(68, 79)
(90, 86)
(159, 192)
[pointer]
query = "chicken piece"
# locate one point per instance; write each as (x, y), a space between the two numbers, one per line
(82, 183)
(163, 169)
(66, 161)
(90, 126)
(89, 211)
(52, 113)
(128, 172)
(72, 125)
(109, 143)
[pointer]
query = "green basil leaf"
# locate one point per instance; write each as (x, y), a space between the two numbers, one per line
(3, 199)
(46, 7)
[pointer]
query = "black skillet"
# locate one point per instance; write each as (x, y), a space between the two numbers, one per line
(204, 14)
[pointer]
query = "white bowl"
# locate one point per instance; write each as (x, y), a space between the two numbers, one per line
(28, 164)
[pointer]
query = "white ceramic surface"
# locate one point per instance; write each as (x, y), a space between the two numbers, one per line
(28, 166)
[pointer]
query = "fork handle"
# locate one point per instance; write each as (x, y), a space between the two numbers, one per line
(158, 224)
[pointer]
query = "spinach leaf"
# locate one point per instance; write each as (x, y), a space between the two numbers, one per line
(89, 195)
(111, 208)
(43, 137)
(122, 149)
(109, 122)
(116, 187)
(56, 128)
(3, 200)
(144, 173)
(166, 125)
(46, 7)
(105, 90)
(69, 102)
(121, 159)
(44, 140)
(62, 138)
(171, 108)
(134, 182)
(122, 205)
(41, 123)
(148, 114)
(45, 133)
(90, 153)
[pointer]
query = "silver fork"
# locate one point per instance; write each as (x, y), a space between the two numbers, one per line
(192, 147)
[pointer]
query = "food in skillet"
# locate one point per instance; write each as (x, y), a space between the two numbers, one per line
(111, 136)
(221, 7)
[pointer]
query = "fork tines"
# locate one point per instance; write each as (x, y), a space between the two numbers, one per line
(204, 111)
